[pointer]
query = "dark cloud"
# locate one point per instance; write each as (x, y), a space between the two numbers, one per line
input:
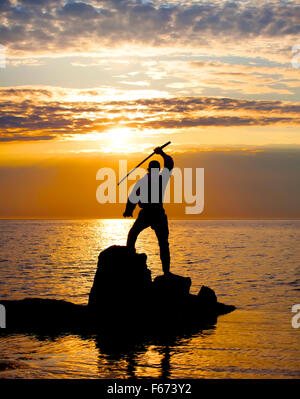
(41, 117)
(4, 5)
(78, 10)
(25, 138)
(38, 3)
(14, 92)
(224, 121)
(62, 24)
(189, 104)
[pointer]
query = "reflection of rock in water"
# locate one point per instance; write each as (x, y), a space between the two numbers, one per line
(126, 313)
(123, 299)
(118, 348)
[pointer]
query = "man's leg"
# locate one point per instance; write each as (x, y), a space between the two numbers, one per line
(138, 226)
(162, 233)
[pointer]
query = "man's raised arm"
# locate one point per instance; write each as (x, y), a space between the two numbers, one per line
(168, 160)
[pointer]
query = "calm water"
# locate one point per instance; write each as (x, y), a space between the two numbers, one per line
(254, 265)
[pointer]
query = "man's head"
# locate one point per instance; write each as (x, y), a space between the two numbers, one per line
(153, 165)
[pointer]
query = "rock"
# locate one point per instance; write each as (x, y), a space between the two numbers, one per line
(123, 290)
(44, 314)
(207, 296)
(122, 282)
(172, 286)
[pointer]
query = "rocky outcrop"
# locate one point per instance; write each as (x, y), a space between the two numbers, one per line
(123, 299)
(123, 290)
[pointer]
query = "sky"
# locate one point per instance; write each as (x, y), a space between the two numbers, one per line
(84, 84)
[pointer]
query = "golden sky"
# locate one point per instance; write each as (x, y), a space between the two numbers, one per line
(86, 82)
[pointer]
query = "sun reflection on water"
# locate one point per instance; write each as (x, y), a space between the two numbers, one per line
(112, 231)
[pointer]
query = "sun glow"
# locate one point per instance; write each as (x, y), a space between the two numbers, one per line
(118, 140)
(118, 137)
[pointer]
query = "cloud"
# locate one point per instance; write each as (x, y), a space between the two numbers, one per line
(224, 121)
(40, 114)
(199, 76)
(83, 25)
(190, 104)
(25, 138)
(23, 92)
(78, 10)
(135, 83)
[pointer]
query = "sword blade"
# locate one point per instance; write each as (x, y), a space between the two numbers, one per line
(141, 163)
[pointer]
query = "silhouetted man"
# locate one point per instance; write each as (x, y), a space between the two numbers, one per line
(152, 214)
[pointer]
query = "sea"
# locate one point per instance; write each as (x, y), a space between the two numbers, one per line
(254, 265)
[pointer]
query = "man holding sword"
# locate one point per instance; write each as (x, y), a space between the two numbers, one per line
(152, 213)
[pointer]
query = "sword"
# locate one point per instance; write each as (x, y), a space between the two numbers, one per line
(149, 156)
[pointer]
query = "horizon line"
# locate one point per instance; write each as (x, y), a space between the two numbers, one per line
(118, 218)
